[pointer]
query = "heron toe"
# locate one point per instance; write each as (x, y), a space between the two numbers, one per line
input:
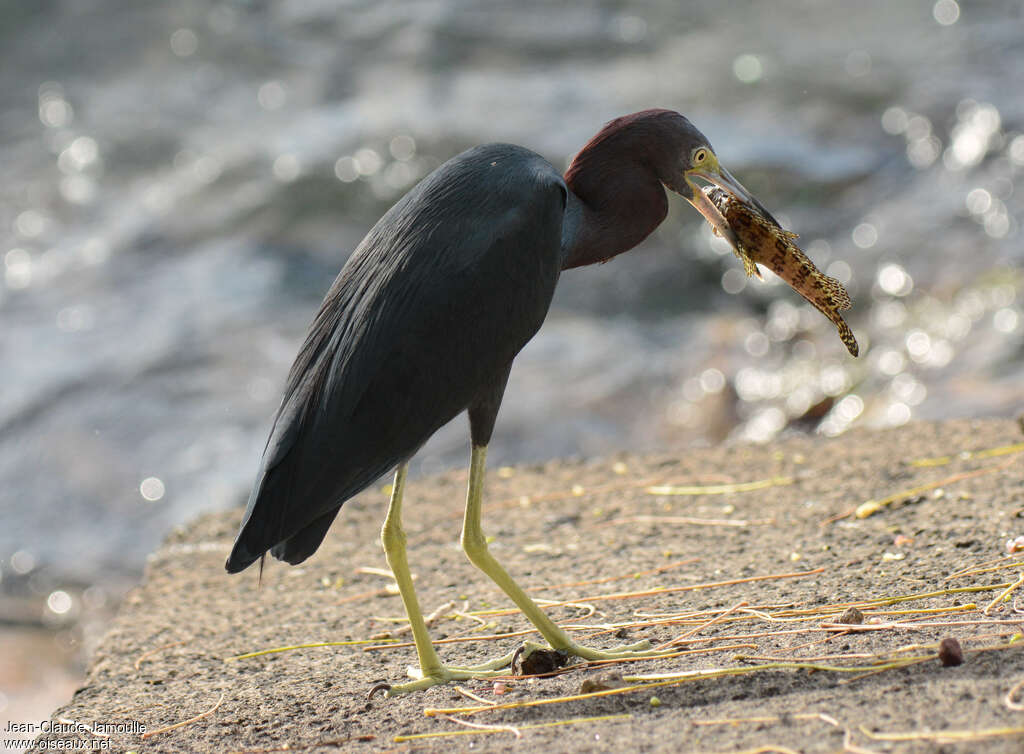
(625, 652)
(441, 675)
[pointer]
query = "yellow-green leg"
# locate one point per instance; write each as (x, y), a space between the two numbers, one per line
(475, 545)
(430, 672)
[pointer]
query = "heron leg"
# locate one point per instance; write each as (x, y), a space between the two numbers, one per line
(430, 672)
(475, 545)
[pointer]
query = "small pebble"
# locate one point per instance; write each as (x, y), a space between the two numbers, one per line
(950, 653)
(851, 615)
(602, 683)
(655, 701)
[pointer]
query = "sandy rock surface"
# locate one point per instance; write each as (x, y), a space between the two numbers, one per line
(750, 561)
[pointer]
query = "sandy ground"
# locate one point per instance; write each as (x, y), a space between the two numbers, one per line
(747, 579)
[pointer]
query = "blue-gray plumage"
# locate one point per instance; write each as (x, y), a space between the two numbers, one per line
(424, 321)
(468, 258)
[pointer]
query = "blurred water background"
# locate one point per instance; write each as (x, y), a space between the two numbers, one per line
(182, 181)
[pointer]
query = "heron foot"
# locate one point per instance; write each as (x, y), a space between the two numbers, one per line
(443, 674)
(531, 657)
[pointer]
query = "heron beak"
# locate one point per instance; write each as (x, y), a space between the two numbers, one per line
(702, 204)
(719, 176)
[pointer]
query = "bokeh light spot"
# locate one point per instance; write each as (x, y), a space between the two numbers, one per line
(907, 389)
(897, 414)
(1005, 320)
(692, 390)
(54, 110)
(747, 68)
(858, 64)
(286, 168)
(891, 362)
(1016, 150)
(272, 95)
(894, 120)
(184, 43)
(30, 224)
(402, 147)
(849, 408)
(712, 380)
(59, 602)
(978, 201)
(888, 314)
(77, 189)
(918, 343)
(764, 425)
(841, 271)
(946, 12)
(894, 280)
(757, 344)
(17, 269)
(345, 169)
(367, 161)
(834, 380)
(152, 489)
(23, 562)
(80, 154)
(921, 153)
(207, 168)
(734, 280)
(865, 235)
(997, 222)
(399, 175)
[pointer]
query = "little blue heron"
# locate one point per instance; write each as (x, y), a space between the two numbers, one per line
(423, 322)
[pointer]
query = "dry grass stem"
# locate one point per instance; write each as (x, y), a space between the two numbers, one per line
(693, 631)
(311, 645)
(870, 507)
(503, 729)
(945, 736)
(1007, 561)
(720, 489)
(1004, 594)
(156, 650)
(1009, 701)
(687, 521)
(608, 579)
(183, 723)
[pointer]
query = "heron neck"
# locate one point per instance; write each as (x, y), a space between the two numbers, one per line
(608, 217)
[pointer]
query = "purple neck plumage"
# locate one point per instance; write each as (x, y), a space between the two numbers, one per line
(616, 196)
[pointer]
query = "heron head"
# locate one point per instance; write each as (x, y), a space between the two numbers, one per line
(697, 160)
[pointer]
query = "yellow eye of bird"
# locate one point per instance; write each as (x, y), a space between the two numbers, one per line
(699, 156)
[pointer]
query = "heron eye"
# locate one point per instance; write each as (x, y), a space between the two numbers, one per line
(699, 156)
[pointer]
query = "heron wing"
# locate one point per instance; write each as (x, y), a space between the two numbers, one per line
(430, 309)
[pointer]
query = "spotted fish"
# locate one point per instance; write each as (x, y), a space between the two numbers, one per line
(760, 240)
